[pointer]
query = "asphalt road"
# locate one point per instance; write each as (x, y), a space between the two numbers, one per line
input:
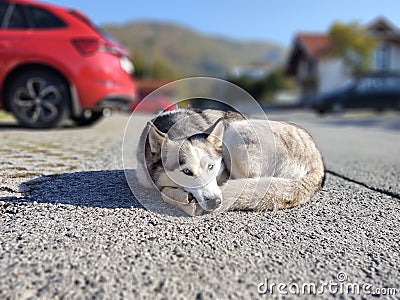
(70, 227)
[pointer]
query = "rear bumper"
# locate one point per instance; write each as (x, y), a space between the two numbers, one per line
(101, 83)
(115, 102)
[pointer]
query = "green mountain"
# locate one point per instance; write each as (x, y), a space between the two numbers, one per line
(186, 52)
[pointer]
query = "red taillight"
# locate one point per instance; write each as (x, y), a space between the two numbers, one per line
(89, 46)
(86, 46)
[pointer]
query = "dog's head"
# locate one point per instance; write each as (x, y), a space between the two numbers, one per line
(193, 163)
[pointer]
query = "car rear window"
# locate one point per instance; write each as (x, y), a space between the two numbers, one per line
(3, 10)
(88, 22)
(378, 83)
(44, 19)
(17, 19)
(392, 83)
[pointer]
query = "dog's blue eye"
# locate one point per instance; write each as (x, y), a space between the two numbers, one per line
(187, 172)
(210, 167)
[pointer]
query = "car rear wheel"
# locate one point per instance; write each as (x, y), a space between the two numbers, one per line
(39, 99)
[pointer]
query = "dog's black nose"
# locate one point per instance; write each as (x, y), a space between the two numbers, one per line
(214, 203)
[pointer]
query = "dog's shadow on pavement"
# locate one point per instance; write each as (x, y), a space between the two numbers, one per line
(15, 126)
(103, 189)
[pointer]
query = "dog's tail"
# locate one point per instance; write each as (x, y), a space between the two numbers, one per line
(271, 193)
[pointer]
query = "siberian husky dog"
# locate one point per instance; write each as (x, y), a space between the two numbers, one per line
(211, 160)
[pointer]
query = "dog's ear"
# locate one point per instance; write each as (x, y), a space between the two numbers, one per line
(215, 133)
(156, 138)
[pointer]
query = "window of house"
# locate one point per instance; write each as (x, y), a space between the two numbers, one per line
(382, 57)
(310, 66)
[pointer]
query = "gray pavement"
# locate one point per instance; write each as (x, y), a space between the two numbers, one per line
(70, 227)
(362, 147)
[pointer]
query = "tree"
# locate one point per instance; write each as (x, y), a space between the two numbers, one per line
(140, 65)
(265, 88)
(353, 44)
(157, 70)
(162, 71)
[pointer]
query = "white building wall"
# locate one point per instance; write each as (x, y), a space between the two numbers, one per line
(332, 74)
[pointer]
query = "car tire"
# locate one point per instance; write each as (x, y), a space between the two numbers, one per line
(84, 120)
(397, 106)
(39, 98)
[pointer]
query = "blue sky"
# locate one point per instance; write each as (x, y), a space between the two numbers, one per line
(274, 20)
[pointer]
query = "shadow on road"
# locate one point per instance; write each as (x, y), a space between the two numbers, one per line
(384, 122)
(103, 189)
(9, 126)
(13, 126)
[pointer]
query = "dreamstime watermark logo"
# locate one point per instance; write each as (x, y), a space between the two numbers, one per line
(340, 285)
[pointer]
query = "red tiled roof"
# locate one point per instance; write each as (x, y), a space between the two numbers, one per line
(314, 43)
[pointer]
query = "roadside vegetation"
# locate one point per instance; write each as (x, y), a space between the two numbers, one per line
(352, 43)
(5, 115)
(167, 52)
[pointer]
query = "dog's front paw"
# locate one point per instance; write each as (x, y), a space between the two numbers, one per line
(182, 200)
(177, 195)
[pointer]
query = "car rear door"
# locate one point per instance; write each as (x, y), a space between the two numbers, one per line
(360, 93)
(30, 33)
(369, 93)
(13, 31)
(392, 87)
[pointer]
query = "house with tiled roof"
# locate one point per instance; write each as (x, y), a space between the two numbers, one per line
(316, 71)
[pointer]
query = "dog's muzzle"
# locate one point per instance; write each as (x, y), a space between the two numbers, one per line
(213, 203)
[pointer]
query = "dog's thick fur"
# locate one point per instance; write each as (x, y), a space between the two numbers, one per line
(261, 165)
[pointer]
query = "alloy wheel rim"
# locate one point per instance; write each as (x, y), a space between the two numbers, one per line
(38, 101)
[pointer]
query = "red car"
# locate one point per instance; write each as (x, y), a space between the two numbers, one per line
(55, 64)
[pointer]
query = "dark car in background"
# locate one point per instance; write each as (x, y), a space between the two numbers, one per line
(375, 92)
(56, 64)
